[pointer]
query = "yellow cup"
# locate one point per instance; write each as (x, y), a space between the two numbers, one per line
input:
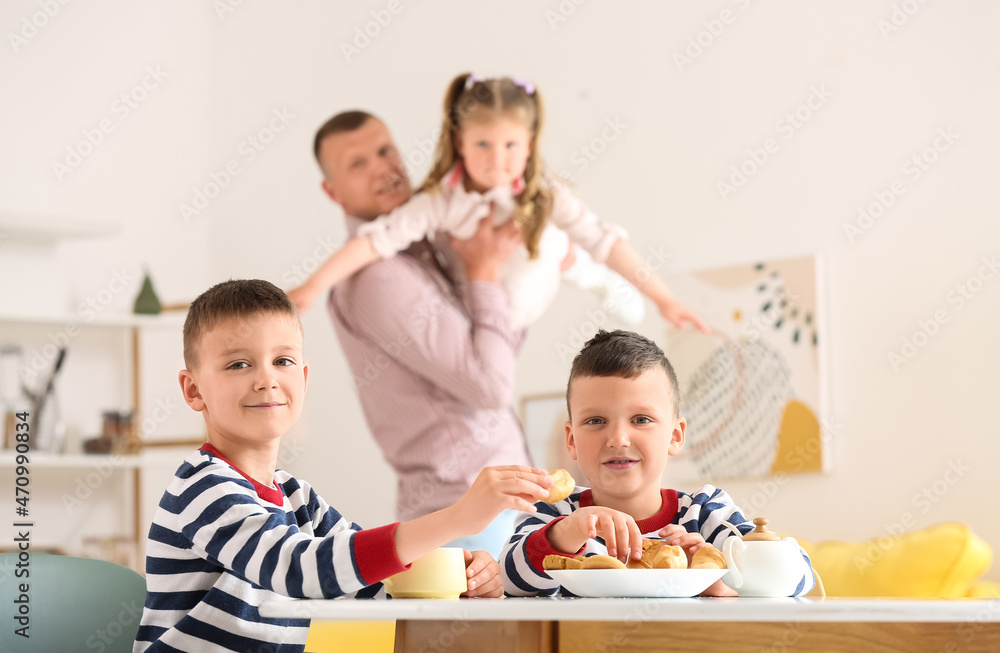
(439, 574)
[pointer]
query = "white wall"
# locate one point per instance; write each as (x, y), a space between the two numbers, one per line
(898, 431)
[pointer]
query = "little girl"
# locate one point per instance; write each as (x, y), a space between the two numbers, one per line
(487, 156)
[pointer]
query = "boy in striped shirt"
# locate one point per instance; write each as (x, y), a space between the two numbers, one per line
(231, 531)
(624, 424)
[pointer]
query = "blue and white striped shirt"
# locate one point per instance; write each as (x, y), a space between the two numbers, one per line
(703, 512)
(221, 544)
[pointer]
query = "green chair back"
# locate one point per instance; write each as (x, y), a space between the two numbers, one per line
(71, 604)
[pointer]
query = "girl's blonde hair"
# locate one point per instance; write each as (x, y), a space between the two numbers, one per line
(481, 100)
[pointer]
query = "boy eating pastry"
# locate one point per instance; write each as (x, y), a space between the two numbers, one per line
(624, 424)
(232, 531)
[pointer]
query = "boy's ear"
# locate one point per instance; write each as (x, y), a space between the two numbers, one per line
(305, 377)
(677, 437)
(189, 388)
(570, 441)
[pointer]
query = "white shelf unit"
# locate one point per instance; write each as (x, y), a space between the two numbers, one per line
(131, 328)
(48, 230)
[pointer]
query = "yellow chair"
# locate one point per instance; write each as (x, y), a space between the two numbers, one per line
(72, 604)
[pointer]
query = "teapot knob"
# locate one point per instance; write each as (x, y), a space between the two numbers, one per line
(760, 533)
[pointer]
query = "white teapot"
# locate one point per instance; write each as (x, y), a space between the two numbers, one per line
(763, 564)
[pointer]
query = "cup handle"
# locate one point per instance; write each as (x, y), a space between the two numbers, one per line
(733, 578)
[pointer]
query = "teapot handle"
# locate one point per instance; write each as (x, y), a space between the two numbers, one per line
(733, 578)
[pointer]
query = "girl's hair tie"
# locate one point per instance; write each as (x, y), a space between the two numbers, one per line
(528, 87)
(471, 81)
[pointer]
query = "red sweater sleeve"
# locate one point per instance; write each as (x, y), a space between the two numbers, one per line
(375, 553)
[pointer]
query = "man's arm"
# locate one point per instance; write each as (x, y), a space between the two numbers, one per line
(468, 354)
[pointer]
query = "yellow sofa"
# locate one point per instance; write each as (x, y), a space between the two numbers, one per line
(944, 560)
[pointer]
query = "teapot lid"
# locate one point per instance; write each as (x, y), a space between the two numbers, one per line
(761, 534)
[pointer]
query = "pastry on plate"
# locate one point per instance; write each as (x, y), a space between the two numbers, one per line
(649, 548)
(551, 562)
(707, 557)
(669, 557)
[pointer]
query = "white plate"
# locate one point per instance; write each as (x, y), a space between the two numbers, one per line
(659, 583)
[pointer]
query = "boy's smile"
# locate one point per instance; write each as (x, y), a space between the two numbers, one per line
(621, 433)
(249, 383)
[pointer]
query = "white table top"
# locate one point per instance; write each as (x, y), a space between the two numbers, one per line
(695, 609)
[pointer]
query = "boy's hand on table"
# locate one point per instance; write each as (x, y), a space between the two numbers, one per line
(505, 487)
(484, 576)
(620, 532)
(718, 588)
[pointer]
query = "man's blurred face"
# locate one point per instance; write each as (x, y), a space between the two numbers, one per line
(363, 171)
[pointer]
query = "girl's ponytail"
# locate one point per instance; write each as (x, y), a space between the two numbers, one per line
(444, 153)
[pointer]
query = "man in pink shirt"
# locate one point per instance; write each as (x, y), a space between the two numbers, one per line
(433, 361)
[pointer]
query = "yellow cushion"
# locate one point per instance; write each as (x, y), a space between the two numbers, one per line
(984, 589)
(940, 561)
(337, 636)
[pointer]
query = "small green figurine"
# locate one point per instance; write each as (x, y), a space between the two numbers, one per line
(147, 302)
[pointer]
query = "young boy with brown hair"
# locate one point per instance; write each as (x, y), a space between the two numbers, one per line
(624, 424)
(232, 531)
